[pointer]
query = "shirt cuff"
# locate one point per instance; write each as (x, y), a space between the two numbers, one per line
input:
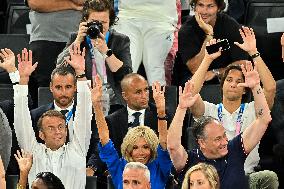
(14, 76)
(21, 90)
(82, 86)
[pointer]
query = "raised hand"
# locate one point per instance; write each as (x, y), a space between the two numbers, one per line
(215, 55)
(251, 76)
(8, 63)
(25, 65)
(159, 97)
(207, 28)
(249, 44)
(82, 32)
(25, 161)
(76, 58)
(100, 44)
(186, 99)
(97, 91)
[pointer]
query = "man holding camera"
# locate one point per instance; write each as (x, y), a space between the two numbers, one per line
(107, 51)
(209, 23)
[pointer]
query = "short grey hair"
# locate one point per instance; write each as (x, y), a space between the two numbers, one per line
(138, 165)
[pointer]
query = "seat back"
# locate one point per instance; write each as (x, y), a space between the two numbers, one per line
(15, 42)
(12, 181)
(91, 182)
(44, 96)
(6, 93)
(268, 44)
(18, 19)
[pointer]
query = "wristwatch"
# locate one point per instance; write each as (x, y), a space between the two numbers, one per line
(216, 72)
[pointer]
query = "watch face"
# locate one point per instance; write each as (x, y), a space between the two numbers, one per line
(109, 52)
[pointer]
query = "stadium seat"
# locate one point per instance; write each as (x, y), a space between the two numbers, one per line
(268, 44)
(44, 96)
(91, 182)
(11, 181)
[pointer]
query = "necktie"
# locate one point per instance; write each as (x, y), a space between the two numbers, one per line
(136, 119)
(64, 112)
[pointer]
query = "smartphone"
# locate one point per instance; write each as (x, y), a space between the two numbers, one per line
(224, 43)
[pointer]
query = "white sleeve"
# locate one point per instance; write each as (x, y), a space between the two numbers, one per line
(22, 119)
(82, 120)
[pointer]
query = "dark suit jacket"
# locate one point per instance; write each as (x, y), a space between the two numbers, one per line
(120, 45)
(118, 127)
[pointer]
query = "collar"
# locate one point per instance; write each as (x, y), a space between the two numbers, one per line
(131, 111)
(69, 108)
(59, 151)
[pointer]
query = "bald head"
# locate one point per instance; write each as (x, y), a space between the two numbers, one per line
(130, 79)
(135, 91)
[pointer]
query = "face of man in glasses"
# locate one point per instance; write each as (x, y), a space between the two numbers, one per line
(53, 132)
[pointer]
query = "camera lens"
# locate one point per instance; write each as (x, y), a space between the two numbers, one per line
(94, 29)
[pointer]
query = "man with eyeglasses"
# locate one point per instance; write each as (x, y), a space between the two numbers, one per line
(66, 161)
(209, 22)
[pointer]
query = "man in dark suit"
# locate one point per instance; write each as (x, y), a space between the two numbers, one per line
(135, 92)
(63, 88)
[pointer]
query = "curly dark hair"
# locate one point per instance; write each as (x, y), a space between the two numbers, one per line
(220, 4)
(50, 180)
(99, 6)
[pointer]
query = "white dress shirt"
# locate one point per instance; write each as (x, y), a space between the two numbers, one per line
(229, 123)
(69, 161)
(131, 117)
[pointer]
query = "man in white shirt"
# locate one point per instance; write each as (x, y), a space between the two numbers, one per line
(66, 161)
(235, 115)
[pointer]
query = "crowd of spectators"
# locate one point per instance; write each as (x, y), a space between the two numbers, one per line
(100, 121)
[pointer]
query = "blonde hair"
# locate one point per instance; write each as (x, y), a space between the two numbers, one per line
(209, 172)
(131, 138)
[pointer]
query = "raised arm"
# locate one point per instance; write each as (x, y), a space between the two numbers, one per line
(99, 114)
(25, 162)
(253, 134)
(249, 45)
(54, 5)
(2, 175)
(194, 63)
(82, 126)
(159, 97)
(176, 150)
(198, 79)
(22, 118)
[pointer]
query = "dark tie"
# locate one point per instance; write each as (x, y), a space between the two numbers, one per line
(136, 119)
(64, 112)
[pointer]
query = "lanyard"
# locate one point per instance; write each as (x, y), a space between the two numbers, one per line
(238, 122)
(97, 65)
(91, 47)
(115, 5)
(69, 115)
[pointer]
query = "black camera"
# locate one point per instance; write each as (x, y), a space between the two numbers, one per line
(94, 29)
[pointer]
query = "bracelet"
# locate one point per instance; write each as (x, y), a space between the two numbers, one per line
(20, 186)
(80, 76)
(210, 34)
(255, 55)
(163, 118)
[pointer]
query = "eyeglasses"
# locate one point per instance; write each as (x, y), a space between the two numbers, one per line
(53, 129)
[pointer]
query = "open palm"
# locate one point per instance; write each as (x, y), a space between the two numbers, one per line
(251, 76)
(8, 59)
(249, 44)
(186, 99)
(76, 58)
(159, 96)
(25, 160)
(25, 65)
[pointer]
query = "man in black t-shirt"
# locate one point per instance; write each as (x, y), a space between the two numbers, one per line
(207, 23)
